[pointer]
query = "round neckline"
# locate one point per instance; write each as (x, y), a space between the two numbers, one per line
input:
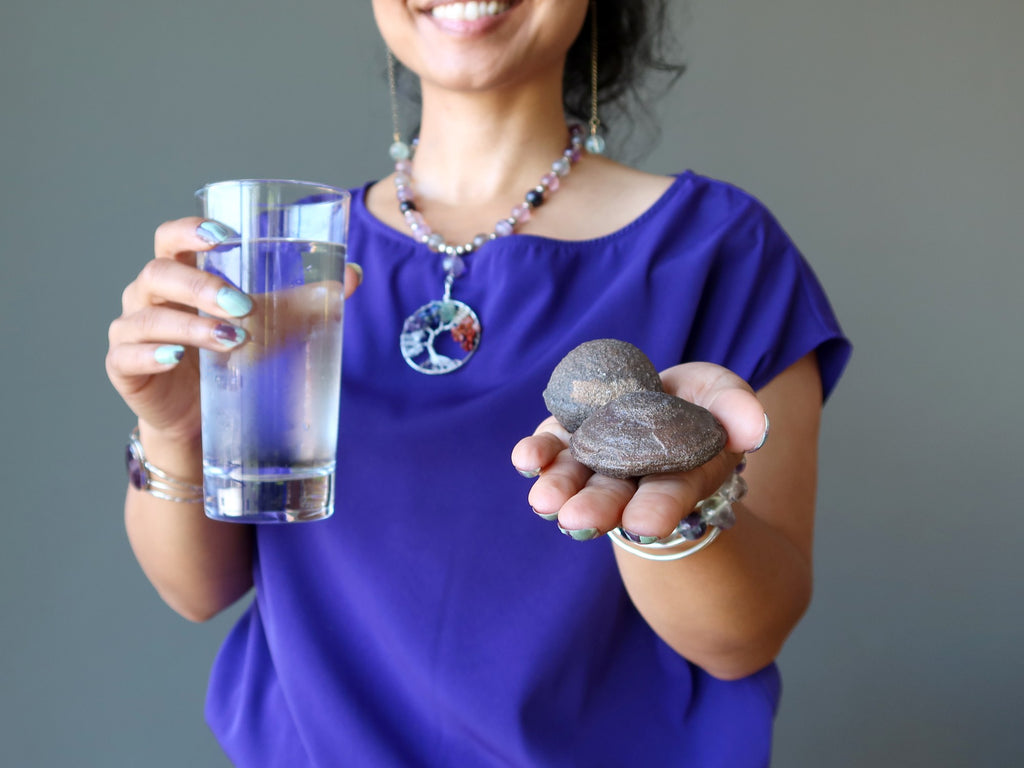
(359, 205)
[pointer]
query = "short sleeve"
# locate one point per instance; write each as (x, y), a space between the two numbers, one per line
(763, 306)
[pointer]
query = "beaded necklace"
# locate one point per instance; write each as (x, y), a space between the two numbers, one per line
(446, 320)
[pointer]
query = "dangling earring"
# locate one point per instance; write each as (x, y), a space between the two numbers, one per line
(595, 143)
(399, 150)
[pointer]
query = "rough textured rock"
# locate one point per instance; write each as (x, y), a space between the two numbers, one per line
(595, 373)
(643, 433)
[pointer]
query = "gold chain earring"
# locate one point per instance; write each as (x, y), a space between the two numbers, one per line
(399, 150)
(595, 143)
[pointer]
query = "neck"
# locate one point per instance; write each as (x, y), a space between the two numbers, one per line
(481, 148)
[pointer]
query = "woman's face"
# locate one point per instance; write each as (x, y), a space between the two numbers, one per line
(478, 46)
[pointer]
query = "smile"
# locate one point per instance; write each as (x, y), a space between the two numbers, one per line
(468, 11)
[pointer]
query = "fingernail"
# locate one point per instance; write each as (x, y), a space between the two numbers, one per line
(581, 534)
(213, 232)
(169, 354)
(229, 335)
(235, 303)
(529, 474)
(357, 269)
(636, 538)
(764, 436)
(549, 516)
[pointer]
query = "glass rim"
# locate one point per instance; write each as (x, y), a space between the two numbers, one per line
(313, 185)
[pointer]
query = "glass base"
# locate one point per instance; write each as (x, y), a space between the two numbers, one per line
(295, 500)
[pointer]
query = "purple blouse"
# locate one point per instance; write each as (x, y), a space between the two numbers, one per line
(434, 620)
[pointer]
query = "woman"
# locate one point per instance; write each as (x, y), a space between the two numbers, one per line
(434, 620)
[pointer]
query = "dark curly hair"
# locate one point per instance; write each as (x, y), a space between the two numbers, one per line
(632, 41)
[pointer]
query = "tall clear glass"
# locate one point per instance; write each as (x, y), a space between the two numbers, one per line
(270, 407)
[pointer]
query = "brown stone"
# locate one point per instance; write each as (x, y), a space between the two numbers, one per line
(643, 433)
(595, 373)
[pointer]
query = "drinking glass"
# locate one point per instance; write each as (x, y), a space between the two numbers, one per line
(270, 407)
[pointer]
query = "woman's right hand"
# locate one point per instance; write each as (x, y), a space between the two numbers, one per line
(152, 359)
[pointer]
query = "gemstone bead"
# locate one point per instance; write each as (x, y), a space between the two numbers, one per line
(692, 527)
(136, 476)
(399, 151)
(717, 511)
(595, 144)
(733, 489)
(521, 213)
(454, 265)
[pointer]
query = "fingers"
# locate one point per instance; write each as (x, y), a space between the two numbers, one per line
(180, 239)
(560, 481)
(726, 395)
(353, 278)
(139, 360)
(162, 325)
(588, 505)
(532, 454)
(596, 508)
(661, 501)
(165, 281)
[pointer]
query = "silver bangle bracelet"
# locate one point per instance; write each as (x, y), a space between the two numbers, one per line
(665, 549)
(146, 477)
(695, 531)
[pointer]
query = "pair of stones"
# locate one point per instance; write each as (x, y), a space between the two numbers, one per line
(608, 394)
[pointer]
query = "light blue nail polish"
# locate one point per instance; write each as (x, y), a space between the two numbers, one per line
(581, 534)
(213, 232)
(549, 516)
(169, 354)
(235, 303)
(648, 539)
(529, 474)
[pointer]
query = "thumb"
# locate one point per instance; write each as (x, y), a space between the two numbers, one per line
(353, 278)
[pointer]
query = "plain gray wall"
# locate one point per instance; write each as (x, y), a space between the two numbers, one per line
(887, 137)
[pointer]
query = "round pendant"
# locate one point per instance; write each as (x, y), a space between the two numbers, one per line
(440, 337)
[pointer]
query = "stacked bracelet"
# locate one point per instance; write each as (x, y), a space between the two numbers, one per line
(145, 477)
(696, 530)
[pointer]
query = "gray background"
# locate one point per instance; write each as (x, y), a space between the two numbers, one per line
(885, 134)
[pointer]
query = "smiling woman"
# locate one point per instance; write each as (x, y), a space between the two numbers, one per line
(439, 620)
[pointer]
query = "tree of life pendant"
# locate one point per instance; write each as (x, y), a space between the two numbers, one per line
(440, 337)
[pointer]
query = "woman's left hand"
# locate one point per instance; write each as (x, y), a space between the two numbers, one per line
(588, 505)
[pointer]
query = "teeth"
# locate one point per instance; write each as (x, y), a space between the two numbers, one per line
(468, 11)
